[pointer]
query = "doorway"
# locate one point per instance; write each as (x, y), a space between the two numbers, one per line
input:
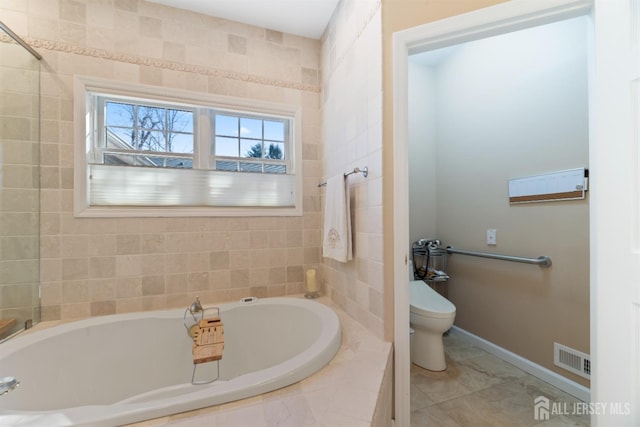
(482, 113)
(613, 161)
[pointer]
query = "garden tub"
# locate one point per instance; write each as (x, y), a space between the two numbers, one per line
(120, 369)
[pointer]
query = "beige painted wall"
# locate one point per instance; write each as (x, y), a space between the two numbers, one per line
(422, 153)
(102, 266)
(399, 15)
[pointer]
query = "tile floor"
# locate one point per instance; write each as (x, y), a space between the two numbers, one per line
(479, 389)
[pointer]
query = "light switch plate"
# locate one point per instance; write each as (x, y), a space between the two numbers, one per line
(491, 236)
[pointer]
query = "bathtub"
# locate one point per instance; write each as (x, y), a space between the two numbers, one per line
(120, 369)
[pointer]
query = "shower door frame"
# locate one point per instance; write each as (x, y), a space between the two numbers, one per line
(35, 307)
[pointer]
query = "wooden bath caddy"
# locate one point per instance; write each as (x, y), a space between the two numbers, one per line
(208, 340)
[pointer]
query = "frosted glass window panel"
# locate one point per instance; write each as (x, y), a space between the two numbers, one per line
(140, 186)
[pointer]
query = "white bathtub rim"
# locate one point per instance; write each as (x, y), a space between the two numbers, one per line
(29, 337)
(20, 342)
(286, 373)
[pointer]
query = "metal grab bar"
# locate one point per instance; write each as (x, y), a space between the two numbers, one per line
(542, 261)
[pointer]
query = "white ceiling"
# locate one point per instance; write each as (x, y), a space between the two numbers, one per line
(307, 18)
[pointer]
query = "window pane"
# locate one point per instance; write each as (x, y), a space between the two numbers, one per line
(250, 148)
(179, 121)
(129, 159)
(120, 138)
(275, 168)
(170, 162)
(251, 128)
(251, 167)
(275, 151)
(156, 161)
(117, 114)
(151, 141)
(273, 131)
(226, 147)
(151, 118)
(119, 159)
(181, 163)
(222, 165)
(180, 143)
(226, 125)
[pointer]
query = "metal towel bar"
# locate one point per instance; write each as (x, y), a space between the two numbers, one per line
(364, 171)
(542, 261)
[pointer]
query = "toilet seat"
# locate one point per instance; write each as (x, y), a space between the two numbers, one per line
(424, 301)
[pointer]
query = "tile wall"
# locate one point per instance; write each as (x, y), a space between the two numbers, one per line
(352, 137)
(102, 266)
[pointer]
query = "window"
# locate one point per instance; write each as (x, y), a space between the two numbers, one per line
(139, 133)
(250, 144)
(146, 151)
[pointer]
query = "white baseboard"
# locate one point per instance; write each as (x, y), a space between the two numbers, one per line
(573, 388)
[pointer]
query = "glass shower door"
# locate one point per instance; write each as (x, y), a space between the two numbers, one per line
(19, 186)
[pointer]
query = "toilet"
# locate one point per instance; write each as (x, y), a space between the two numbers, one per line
(430, 315)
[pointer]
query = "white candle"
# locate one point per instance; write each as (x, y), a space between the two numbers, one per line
(311, 281)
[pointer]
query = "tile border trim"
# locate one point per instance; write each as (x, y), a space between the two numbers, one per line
(57, 46)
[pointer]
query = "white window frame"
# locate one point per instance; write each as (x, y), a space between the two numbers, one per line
(84, 133)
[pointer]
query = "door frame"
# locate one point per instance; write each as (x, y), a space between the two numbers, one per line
(499, 19)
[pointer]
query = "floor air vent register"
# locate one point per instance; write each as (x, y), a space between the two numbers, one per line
(572, 360)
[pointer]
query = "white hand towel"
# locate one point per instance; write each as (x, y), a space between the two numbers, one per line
(336, 240)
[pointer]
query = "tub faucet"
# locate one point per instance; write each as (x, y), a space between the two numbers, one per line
(7, 384)
(195, 307)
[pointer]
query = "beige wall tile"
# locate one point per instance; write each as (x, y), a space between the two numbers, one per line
(102, 308)
(102, 266)
(153, 285)
(152, 264)
(177, 283)
(75, 268)
(102, 289)
(74, 291)
(128, 305)
(127, 244)
(75, 310)
(128, 287)
(352, 137)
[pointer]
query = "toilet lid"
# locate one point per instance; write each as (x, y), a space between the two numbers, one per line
(427, 302)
